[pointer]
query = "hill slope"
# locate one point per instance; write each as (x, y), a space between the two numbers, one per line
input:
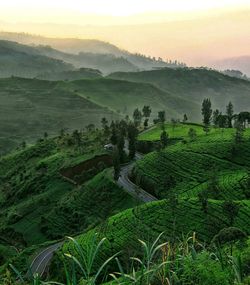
(30, 107)
(40, 202)
(195, 85)
(94, 53)
(25, 61)
(124, 96)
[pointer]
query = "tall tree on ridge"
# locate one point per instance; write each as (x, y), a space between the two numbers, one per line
(230, 113)
(207, 113)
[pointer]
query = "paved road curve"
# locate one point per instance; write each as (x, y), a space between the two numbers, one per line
(132, 188)
(41, 261)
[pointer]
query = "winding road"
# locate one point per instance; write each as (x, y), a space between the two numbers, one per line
(42, 260)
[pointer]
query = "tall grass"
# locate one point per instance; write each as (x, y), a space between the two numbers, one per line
(161, 263)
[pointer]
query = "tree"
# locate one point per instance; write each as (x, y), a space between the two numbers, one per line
(192, 134)
(207, 113)
(132, 135)
(164, 139)
(45, 135)
(23, 145)
(116, 163)
(231, 210)
(243, 118)
(137, 116)
(185, 118)
(77, 137)
(104, 123)
(222, 121)
(162, 118)
(230, 113)
(174, 123)
(113, 137)
(145, 124)
(120, 146)
(146, 111)
(215, 119)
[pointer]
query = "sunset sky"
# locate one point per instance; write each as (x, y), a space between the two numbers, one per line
(192, 31)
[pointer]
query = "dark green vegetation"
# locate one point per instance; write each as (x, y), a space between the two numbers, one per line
(194, 85)
(188, 167)
(202, 179)
(56, 188)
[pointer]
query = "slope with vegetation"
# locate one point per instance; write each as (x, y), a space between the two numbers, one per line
(195, 85)
(26, 61)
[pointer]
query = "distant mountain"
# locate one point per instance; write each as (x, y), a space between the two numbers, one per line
(194, 85)
(241, 63)
(106, 63)
(91, 53)
(22, 60)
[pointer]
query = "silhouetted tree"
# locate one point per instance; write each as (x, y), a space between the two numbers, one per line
(120, 146)
(164, 139)
(216, 115)
(185, 118)
(162, 118)
(137, 116)
(207, 113)
(229, 113)
(45, 135)
(132, 135)
(116, 163)
(146, 111)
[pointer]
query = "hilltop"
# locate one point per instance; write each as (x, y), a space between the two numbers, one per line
(195, 85)
(90, 53)
(26, 61)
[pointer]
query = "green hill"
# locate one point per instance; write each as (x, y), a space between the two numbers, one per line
(124, 96)
(82, 73)
(190, 167)
(148, 221)
(55, 188)
(30, 107)
(195, 85)
(26, 61)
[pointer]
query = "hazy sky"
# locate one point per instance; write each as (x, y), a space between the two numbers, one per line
(189, 30)
(73, 11)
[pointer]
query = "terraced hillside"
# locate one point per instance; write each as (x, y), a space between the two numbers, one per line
(211, 165)
(195, 85)
(148, 221)
(188, 168)
(39, 204)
